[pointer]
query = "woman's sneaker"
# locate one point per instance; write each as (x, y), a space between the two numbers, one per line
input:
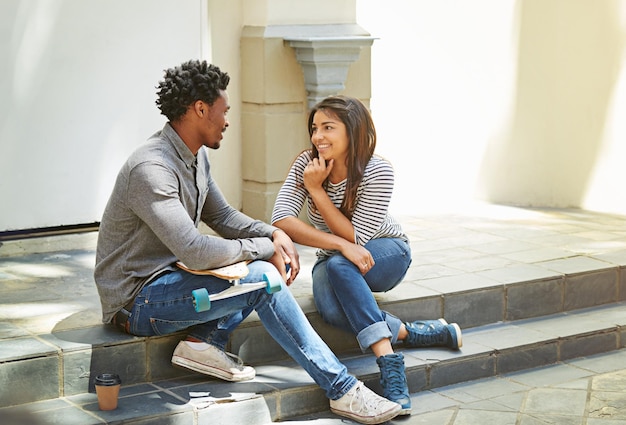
(365, 406)
(210, 360)
(393, 381)
(433, 333)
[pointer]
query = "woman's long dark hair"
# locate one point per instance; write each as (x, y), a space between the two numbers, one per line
(361, 141)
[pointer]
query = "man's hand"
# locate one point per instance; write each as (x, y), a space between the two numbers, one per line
(285, 252)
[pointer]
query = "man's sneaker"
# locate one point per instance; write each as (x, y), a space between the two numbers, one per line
(210, 360)
(365, 406)
(393, 381)
(433, 333)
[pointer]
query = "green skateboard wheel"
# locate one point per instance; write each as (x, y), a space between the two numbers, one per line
(201, 301)
(273, 282)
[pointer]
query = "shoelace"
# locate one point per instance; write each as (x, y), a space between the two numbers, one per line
(430, 336)
(236, 360)
(394, 379)
(364, 404)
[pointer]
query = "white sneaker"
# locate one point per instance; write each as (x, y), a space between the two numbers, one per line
(210, 360)
(365, 406)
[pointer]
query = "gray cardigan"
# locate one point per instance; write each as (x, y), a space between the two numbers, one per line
(151, 220)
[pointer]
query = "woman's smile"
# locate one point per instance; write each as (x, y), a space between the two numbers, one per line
(329, 136)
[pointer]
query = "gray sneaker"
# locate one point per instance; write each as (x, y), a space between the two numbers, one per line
(212, 361)
(365, 406)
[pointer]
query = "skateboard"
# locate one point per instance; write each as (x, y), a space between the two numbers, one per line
(272, 282)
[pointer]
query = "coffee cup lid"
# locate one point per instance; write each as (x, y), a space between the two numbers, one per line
(107, 379)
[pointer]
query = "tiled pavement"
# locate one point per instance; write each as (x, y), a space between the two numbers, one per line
(585, 391)
(539, 293)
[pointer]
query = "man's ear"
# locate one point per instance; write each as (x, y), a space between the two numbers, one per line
(200, 108)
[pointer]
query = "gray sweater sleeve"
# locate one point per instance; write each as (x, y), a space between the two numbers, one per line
(160, 207)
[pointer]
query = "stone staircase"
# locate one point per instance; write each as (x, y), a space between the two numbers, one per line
(537, 288)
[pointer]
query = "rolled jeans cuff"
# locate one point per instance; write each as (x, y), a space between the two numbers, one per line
(373, 333)
(394, 326)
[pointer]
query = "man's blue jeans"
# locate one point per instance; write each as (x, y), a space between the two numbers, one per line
(166, 306)
(345, 299)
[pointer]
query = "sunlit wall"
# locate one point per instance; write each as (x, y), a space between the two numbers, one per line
(77, 83)
(513, 102)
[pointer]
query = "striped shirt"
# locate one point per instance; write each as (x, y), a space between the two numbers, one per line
(370, 220)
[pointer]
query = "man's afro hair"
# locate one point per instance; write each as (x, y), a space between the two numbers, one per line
(191, 81)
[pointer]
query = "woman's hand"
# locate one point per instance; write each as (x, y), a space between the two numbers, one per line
(359, 256)
(316, 173)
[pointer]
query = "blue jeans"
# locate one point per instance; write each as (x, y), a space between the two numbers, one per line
(166, 305)
(345, 299)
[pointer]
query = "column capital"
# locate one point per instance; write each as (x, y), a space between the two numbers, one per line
(325, 53)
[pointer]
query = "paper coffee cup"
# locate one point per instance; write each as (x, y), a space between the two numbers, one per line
(107, 389)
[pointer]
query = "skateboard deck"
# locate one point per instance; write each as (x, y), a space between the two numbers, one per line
(231, 272)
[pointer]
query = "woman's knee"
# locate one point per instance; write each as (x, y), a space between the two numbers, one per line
(339, 269)
(336, 261)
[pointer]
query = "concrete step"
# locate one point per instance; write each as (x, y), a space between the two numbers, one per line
(283, 390)
(528, 287)
(66, 360)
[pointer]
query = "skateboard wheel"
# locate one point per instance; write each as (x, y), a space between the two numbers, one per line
(201, 301)
(273, 282)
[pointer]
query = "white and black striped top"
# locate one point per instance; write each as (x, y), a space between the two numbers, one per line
(371, 219)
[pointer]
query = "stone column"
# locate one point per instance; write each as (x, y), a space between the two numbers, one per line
(285, 70)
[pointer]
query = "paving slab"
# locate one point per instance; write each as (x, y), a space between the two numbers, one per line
(563, 393)
(553, 278)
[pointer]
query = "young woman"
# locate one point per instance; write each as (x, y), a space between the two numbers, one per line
(361, 248)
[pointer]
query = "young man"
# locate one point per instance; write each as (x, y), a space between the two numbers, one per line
(162, 193)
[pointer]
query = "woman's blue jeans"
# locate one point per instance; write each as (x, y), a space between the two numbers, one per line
(344, 297)
(166, 305)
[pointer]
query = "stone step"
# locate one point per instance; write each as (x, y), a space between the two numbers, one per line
(283, 390)
(528, 287)
(66, 360)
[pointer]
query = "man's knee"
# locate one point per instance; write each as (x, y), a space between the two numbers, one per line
(258, 268)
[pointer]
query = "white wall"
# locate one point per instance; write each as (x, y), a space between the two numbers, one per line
(516, 102)
(443, 79)
(77, 84)
(511, 101)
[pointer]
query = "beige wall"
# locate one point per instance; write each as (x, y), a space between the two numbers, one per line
(78, 94)
(274, 98)
(267, 93)
(512, 101)
(569, 61)
(509, 101)
(224, 21)
(289, 12)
